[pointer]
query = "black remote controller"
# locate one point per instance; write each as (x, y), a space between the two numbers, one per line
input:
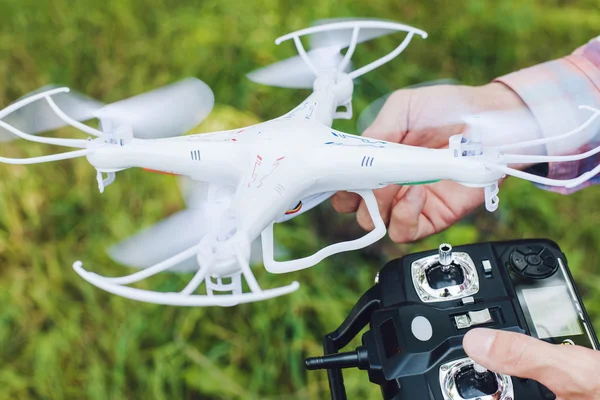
(422, 305)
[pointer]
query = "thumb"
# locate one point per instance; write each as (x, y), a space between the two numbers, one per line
(391, 124)
(569, 371)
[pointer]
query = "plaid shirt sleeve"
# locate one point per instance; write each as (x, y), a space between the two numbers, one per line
(553, 91)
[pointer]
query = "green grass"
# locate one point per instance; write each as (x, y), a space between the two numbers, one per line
(60, 338)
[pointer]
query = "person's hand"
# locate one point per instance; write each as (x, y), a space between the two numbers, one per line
(571, 372)
(427, 117)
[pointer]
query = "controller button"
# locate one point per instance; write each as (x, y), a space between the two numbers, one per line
(533, 259)
(518, 261)
(535, 249)
(530, 249)
(538, 271)
(520, 251)
(549, 259)
(421, 328)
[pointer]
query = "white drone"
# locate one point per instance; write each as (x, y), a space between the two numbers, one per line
(262, 174)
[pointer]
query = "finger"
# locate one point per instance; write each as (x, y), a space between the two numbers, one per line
(384, 197)
(406, 219)
(345, 202)
(568, 371)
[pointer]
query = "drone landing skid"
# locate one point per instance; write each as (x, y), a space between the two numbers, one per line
(188, 300)
(282, 267)
(211, 271)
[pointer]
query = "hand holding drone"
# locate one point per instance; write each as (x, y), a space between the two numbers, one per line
(267, 173)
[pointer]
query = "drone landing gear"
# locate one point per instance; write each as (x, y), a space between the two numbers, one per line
(281, 267)
(104, 182)
(346, 113)
(218, 292)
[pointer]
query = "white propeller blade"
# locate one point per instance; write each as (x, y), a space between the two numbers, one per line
(180, 231)
(161, 241)
(38, 117)
(368, 115)
(195, 193)
(293, 72)
(497, 127)
(167, 238)
(165, 112)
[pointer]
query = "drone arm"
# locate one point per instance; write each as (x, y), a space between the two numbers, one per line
(280, 267)
(216, 162)
(361, 167)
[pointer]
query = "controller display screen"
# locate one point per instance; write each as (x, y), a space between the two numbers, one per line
(552, 312)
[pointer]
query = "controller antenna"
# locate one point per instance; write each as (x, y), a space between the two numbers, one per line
(352, 359)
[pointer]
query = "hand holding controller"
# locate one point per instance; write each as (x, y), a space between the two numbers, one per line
(424, 304)
(571, 372)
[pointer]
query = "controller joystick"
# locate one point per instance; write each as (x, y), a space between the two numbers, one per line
(466, 380)
(474, 382)
(445, 275)
(445, 255)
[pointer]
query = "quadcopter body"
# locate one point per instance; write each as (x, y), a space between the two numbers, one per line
(270, 172)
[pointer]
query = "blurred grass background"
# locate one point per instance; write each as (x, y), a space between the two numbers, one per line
(61, 338)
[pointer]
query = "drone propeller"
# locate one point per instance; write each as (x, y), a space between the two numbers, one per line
(369, 113)
(164, 112)
(495, 127)
(179, 231)
(161, 241)
(293, 73)
(38, 117)
(325, 50)
(167, 238)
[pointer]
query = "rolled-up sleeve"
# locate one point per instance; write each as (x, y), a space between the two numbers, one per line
(553, 91)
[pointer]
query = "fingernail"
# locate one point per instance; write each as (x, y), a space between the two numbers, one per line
(478, 342)
(414, 193)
